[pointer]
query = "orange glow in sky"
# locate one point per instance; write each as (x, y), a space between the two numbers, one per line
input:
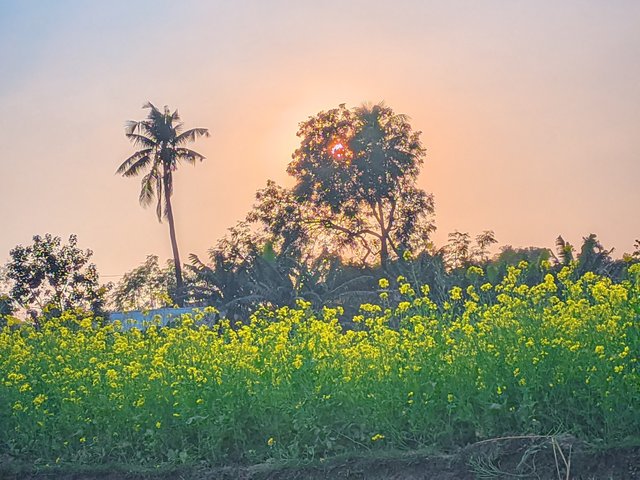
(529, 112)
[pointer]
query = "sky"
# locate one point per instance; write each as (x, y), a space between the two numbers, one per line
(529, 111)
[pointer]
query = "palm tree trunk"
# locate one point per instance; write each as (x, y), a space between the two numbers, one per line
(174, 246)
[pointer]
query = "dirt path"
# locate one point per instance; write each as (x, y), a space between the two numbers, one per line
(539, 458)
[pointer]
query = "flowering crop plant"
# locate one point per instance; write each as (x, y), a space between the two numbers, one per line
(293, 383)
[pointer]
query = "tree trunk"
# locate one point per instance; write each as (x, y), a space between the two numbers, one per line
(384, 253)
(384, 247)
(174, 247)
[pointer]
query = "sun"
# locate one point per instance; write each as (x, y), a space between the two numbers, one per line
(339, 151)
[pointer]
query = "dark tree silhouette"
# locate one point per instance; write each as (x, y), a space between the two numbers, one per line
(162, 141)
(457, 252)
(357, 168)
(483, 241)
(460, 253)
(565, 251)
(594, 258)
(50, 276)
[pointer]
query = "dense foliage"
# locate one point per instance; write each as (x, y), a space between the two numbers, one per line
(50, 276)
(493, 359)
(356, 168)
(145, 287)
(268, 263)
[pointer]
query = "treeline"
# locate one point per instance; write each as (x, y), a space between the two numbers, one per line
(246, 270)
(240, 276)
(355, 215)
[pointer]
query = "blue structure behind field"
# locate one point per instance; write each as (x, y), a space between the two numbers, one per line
(160, 317)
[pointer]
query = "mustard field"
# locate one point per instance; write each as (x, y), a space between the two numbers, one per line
(293, 383)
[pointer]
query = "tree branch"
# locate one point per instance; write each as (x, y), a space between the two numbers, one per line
(391, 214)
(358, 233)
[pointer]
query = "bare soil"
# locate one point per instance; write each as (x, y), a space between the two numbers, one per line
(530, 457)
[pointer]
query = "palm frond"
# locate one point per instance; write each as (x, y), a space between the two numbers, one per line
(147, 190)
(134, 159)
(137, 166)
(151, 106)
(176, 122)
(140, 140)
(149, 129)
(131, 126)
(565, 250)
(195, 260)
(191, 135)
(155, 117)
(188, 155)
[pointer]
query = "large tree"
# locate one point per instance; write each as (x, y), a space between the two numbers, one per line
(357, 167)
(161, 139)
(50, 275)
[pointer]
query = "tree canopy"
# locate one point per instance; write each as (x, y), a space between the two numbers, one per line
(357, 169)
(51, 275)
(145, 287)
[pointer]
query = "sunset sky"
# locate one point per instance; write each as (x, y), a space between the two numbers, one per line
(530, 111)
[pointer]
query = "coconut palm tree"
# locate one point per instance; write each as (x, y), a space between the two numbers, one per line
(161, 139)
